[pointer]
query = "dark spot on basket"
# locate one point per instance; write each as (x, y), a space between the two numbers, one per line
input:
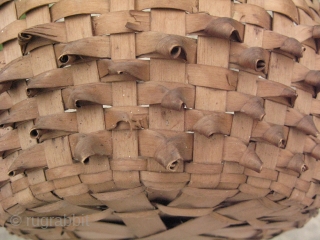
(304, 168)
(175, 51)
(12, 173)
(86, 161)
(173, 165)
(282, 143)
(78, 105)
(34, 133)
(64, 59)
(260, 65)
(28, 92)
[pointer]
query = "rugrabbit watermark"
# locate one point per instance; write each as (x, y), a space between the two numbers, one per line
(49, 222)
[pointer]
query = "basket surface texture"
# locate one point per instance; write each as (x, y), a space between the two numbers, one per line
(159, 119)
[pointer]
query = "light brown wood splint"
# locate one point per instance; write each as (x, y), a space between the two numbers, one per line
(5, 102)
(163, 181)
(159, 45)
(304, 6)
(271, 133)
(301, 121)
(9, 141)
(121, 118)
(150, 219)
(121, 22)
(313, 79)
(292, 161)
(192, 119)
(316, 31)
(16, 70)
(252, 14)
(228, 29)
(212, 77)
(188, 5)
(305, 87)
(312, 147)
(249, 105)
(197, 22)
(51, 80)
(185, 212)
(123, 70)
(254, 58)
(304, 33)
(24, 6)
(315, 107)
(170, 95)
(5, 86)
(285, 7)
(79, 50)
(71, 7)
(129, 165)
(207, 24)
(292, 46)
(314, 7)
(2, 62)
(86, 94)
(141, 23)
(52, 126)
(273, 40)
(33, 157)
(11, 31)
(203, 168)
(3, 1)
(236, 151)
(22, 111)
(112, 199)
(192, 228)
(302, 73)
(41, 35)
(168, 151)
(102, 137)
(189, 196)
(276, 92)
(209, 124)
(88, 145)
(67, 171)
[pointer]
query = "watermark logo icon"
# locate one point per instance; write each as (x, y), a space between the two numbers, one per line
(15, 220)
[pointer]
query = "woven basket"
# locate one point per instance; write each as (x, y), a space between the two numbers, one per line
(159, 119)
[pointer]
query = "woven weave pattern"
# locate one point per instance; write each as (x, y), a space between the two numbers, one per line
(159, 119)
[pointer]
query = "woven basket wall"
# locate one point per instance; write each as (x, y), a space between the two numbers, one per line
(159, 119)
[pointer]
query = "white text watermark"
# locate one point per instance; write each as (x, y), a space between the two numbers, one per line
(48, 222)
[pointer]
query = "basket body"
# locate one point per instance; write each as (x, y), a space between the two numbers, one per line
(158, 119)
